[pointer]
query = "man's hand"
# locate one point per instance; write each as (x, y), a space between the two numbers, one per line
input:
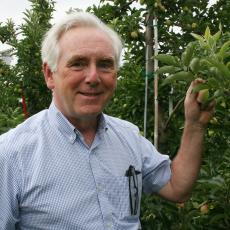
(195, 113)
(185, 166)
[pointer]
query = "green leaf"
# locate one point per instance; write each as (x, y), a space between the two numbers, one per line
(167, 69)
(195, 65)
(180, 76)
(200, 87)
(216, 36)
(226, 55)
(201, 40)
(188, 53)
(217, 218)
(212, 43)
(167, 59)
(220, 27)
(221, 68)
(207, 33)
(218, 93)
(224, 49)
(213, 82)
(198, 37)
(228, 65)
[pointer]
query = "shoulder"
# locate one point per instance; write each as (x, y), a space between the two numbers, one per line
(121, 125)
(23, 133)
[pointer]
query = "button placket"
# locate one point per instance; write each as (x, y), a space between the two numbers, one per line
(100, 189)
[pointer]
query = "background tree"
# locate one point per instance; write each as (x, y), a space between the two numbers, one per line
(26, 42)
(176, 19)
(10, 106)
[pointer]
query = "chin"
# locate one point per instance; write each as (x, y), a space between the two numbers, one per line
(90, 114)
(90, 111)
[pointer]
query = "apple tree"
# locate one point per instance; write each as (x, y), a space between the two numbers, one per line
(25, 40)
(176, 21)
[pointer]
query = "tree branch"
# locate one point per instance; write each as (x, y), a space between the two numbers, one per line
(174, 110)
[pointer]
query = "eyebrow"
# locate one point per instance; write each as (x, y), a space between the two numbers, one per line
(75, 58)
(83, 58)
(107, 59)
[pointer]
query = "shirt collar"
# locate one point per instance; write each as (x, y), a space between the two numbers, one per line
(103, 126)
(66, 128)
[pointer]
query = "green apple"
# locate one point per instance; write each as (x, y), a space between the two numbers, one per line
(203, 96)
(134, 34)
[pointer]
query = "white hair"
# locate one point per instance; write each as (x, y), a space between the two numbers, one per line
(50, 47)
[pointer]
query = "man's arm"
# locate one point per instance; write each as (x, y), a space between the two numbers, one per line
(186, 165)
(9, 187)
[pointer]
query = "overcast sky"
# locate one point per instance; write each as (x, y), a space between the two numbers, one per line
(14, 9)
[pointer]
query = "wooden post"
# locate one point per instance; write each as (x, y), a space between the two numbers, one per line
(148, 61)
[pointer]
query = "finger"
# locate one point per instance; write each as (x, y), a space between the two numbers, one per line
(190, 92)
(211, 106)
(193, 84)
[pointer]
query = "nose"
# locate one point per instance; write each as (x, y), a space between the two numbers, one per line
(92, 75)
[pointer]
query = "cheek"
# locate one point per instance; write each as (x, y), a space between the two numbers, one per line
(111, 83)
(71, 82)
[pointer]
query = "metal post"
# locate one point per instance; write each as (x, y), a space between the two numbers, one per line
(155, 83)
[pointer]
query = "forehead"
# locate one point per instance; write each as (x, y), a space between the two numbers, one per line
(86, 40)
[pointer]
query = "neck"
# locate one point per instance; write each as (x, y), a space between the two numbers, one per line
(87, 127)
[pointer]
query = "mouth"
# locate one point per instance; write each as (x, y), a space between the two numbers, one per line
(90, 94)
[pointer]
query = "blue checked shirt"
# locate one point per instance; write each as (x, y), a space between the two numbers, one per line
(50, 179)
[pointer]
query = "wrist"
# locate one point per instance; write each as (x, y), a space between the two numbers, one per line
(195, 126)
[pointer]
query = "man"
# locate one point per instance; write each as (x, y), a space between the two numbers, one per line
(73, 167)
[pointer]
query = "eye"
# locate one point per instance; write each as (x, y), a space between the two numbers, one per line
(106, 64)
(77, 64)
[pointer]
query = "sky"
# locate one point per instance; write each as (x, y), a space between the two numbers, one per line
(14, 9)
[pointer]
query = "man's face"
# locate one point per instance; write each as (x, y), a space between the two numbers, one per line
(85, 78)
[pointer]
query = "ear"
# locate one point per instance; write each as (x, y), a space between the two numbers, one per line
(49, 76)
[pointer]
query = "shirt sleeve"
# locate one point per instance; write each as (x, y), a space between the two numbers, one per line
(156, 170)
(9, 190)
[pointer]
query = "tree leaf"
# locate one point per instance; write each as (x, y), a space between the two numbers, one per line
(223, 49)
(207, 33)
(167, 59)
(221, 67)
(228, 65)
(195, 65)
(212, 43)
(188, 54)
(226, 55)
(168, 69)
(216, 36)
(180, 76)
(198, 37)
(200, 87)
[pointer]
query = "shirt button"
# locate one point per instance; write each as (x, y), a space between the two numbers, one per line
(72, 138)
(99, 187)
(109, 225)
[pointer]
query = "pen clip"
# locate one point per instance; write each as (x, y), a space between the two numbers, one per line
(131, 171)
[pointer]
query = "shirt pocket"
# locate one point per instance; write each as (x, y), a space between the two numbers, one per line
(117, 193)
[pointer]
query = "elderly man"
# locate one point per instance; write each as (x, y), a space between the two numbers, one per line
(74, 167)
